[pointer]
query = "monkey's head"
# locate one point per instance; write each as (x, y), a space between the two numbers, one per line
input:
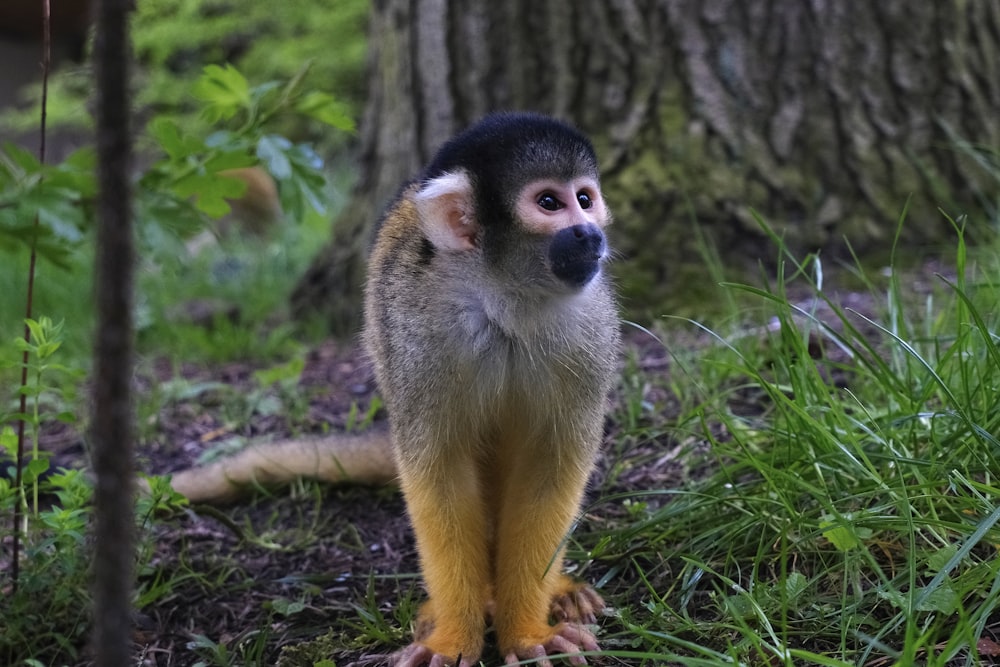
(521, 191)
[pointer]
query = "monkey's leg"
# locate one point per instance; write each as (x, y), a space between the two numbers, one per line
(451, 528)
(539, 505)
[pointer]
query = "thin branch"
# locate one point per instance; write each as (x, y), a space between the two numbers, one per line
(15, 570)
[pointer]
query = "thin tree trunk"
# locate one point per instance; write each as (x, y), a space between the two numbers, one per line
(825, 117)
(111, 429)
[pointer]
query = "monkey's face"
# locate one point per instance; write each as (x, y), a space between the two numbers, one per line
(544, 238)
(564, 221)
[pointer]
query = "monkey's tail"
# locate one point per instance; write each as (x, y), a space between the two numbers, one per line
(358, 459)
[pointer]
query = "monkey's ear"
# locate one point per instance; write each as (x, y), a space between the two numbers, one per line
(446, 208)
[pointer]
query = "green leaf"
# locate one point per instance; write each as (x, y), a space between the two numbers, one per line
(46, 350)
(31, 391)
(168, 134)
(58, 210)
(8, 441)
(272, 151)
(942, 599)
(223, 90)
(66, 417)
(56, 251)
(34, 469)
(290, 371)
(210, 192)
(739, 606)
(795, 585)
(287, 607)
(326, 109)
(82, 159)
(22, 158)
(76, 175)
(940, 558)
(840, 535)
(37, 330)
(260, 92)
(307, 185)
(171, 216)
(229, 160)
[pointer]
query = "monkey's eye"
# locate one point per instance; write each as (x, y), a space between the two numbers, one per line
(584, 200)
(549, 202)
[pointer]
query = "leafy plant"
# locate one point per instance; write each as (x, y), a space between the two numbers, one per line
(47, 609)
(44, 342)
(57, 196)
(187, 184)
(46, 615)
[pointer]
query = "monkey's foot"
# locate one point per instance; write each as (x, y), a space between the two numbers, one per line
(418, 654)
(450, 646)
(577, 603)
(568, 638)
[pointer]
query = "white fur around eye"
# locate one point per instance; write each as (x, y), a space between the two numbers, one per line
(445, 207)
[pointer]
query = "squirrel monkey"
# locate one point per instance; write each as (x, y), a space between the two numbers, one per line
(494, 335)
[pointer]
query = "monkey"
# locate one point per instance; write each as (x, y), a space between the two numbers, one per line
(494, 336)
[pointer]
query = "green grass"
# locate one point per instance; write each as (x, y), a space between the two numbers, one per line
(850, 512)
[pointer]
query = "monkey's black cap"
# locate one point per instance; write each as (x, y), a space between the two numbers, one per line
(505, 151)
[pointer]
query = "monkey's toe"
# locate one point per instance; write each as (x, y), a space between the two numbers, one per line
(568, 641)
(578, 603)
(421, 655)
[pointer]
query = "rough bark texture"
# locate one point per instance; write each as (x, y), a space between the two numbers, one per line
(822, 116)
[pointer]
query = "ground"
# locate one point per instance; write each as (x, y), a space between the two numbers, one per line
(309, 572)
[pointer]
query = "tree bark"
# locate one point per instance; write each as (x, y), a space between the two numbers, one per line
(824, 117)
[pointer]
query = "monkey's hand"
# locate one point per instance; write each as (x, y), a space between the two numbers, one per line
(568, 638)
(577, 603)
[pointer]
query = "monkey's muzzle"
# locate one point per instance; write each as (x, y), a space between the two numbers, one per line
(575, 254)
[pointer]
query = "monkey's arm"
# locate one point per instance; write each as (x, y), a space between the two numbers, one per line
(360, 459)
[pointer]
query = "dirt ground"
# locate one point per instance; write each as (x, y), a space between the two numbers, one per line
(288, 577)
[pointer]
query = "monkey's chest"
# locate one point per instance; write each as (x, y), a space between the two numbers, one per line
(518, 382)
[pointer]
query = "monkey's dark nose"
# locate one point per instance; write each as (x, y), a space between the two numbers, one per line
(575, 254)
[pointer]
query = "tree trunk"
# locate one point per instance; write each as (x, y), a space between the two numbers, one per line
(825, 117)
(111, 429)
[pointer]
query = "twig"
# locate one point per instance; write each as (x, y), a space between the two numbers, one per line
(15, 569)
